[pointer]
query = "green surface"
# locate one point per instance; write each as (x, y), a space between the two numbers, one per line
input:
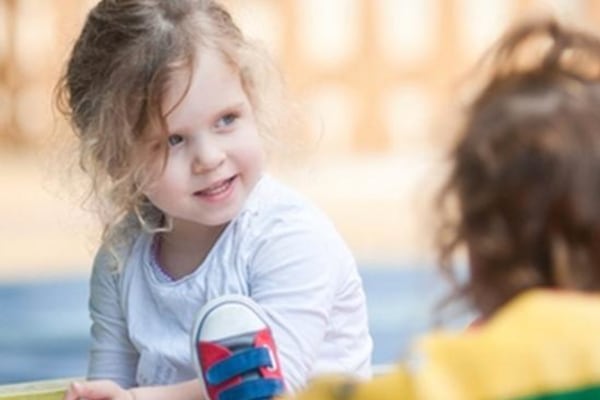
(585, 393)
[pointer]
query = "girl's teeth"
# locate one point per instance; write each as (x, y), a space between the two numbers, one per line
(216, 190)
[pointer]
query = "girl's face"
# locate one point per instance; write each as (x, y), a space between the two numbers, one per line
(215, 155)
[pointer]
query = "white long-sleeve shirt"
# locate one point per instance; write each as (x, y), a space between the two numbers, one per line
(280, 251)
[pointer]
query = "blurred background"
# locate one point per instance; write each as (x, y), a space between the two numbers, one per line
(373, 80)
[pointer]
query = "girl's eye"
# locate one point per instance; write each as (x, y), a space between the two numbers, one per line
(227, 120)
(174, 139)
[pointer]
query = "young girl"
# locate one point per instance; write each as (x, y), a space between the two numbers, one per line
(171, 106)
(526, 182)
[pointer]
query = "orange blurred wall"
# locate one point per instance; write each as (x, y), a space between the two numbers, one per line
(370, 76)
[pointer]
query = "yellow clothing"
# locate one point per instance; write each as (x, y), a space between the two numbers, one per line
(542, 345)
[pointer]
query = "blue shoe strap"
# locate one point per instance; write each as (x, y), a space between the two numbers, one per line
(237, 364)
(253, 390)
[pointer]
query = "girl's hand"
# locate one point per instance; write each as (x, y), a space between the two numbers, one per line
(97, 390)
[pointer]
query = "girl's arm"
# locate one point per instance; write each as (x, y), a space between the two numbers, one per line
(113, 359)
(298, 275)
(112, 355)
(108, 390)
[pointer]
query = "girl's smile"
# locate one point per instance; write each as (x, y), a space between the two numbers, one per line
(219, 191)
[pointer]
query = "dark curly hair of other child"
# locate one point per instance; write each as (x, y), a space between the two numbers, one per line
(524, 184)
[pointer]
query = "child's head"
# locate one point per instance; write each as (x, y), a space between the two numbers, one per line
(526, 169)
(124, 64)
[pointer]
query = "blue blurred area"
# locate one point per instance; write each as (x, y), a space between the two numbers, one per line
(45, 325)
(44, 330)
(401, 304)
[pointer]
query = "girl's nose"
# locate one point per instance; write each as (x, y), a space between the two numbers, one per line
(207, 157)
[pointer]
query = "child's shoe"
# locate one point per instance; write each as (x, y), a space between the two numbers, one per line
(234, 351)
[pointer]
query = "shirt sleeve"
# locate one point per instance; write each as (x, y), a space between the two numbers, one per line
(293, 279)
(112, 355)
